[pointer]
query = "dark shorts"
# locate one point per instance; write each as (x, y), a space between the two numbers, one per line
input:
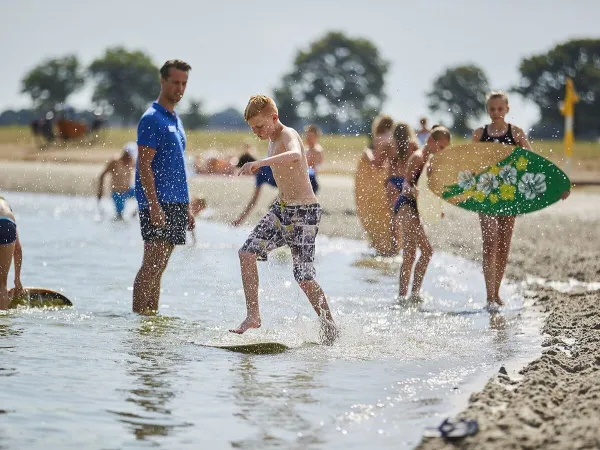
(8, 231)
(175, 230)
(295, 226)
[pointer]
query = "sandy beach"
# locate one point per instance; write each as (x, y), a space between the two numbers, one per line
(553, 402)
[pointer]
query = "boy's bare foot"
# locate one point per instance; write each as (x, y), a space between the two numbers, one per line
(496, 301)
(329, 332)
(249, 322)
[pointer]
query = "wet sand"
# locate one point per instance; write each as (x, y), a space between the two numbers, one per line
(554, 402)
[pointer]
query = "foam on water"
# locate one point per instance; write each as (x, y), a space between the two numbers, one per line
(99, 376)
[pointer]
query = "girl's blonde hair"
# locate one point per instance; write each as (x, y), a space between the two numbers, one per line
(496, 94)
(383, 123)
(404, 135)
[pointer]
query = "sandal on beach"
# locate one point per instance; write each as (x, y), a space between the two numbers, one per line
(453, 429)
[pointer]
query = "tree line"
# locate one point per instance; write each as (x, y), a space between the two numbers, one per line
(338, 82)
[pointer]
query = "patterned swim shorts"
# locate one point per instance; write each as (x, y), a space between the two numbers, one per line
(293, 225)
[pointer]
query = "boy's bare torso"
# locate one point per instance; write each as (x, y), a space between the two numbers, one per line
(292, 180)
(121, 176)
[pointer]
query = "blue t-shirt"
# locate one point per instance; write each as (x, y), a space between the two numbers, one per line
(265, 175)
(163, 131)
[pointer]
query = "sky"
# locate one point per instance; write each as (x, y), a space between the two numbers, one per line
(238, 48)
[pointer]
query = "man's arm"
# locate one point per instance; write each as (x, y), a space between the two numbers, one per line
(249, 207)
(145, 158)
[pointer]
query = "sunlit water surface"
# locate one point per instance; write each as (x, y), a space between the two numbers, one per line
(98, 376)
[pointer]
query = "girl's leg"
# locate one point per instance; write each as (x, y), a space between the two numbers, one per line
(489, 234)
(424, 258)
(506, 226)
(408, 224)
(6, 256)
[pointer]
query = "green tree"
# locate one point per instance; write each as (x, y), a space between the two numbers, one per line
(53, 81)
(543, 79)
(460, 93)
(127, 81)
(287, 106)
(194, 117)
(337, 81)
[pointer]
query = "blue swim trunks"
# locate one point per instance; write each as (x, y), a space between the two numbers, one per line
(312, 175)
(397, 182)
(119, 199)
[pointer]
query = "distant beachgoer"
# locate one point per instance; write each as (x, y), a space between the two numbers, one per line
(405, 145)
(262, 176)
(383, 141)
(121, 172)
(197, 205)
(314, 154)
(10, 248)
(423, 132)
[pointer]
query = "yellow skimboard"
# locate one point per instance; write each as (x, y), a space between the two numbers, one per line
(373, 208)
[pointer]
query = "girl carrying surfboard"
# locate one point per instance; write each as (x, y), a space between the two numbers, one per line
(413, 233)
(496, 231)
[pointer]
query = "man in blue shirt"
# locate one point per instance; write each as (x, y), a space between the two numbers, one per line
(161, 185)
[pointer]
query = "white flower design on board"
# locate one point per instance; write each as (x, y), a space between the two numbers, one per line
(532, 185)
(487, 183)
(466, 180)
(508, 175)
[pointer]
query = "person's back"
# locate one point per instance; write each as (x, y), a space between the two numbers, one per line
(423, 132)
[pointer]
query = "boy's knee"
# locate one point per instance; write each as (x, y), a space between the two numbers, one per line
(246, 257)
(304, 275)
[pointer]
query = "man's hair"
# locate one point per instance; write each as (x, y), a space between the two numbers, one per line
(423, 120)
(313, 129)
(441, 132)
(496, 94)
(176, 64)
(383, 123)
(257, 104)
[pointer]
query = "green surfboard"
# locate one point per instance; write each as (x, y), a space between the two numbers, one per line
(496, 179)
(39, 298)
(255, 348)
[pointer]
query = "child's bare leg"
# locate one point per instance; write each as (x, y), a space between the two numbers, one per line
(505, 231)
(424, 259)
(317, 299)
(409, 249)
(250, 282)
(489, 234)
(6, 256)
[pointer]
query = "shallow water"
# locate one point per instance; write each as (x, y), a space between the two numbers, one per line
(98, 376)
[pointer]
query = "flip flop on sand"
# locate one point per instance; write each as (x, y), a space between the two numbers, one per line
(453, 429)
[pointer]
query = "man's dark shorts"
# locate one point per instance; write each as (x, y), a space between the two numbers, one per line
(175, 231)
